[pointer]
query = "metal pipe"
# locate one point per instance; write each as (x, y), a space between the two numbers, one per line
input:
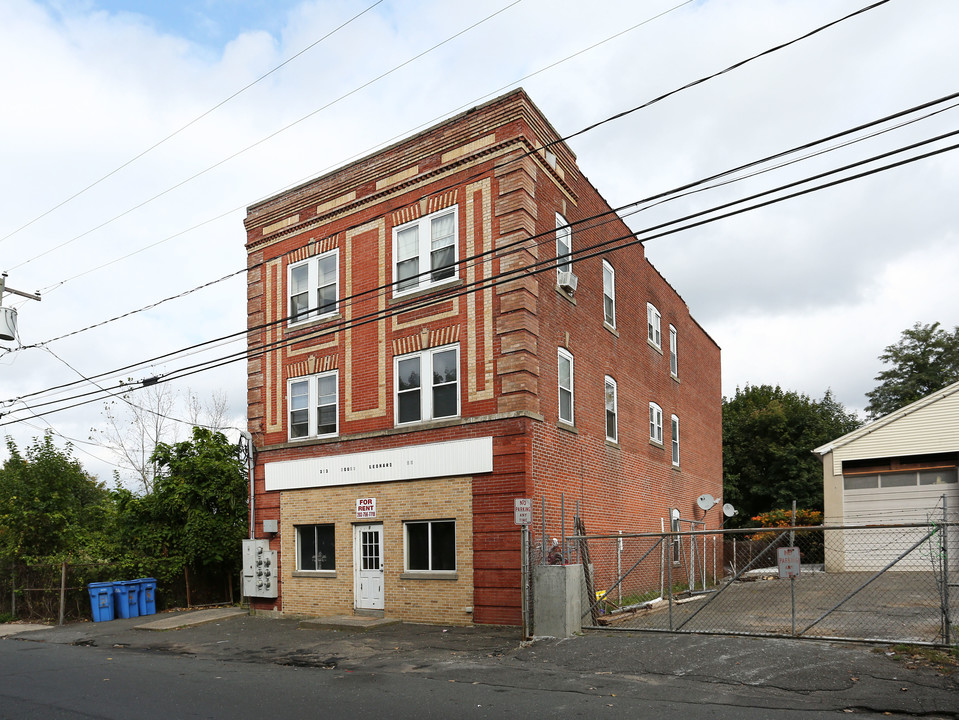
(251, 465)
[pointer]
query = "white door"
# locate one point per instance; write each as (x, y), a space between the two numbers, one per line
(368, 566)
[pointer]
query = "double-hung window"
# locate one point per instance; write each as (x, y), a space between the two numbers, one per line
(430, 546)
(564, 245)
(315, 547)
(425, 251)
(565, 365)
(427, 385)
(313, 287)
(313, 406)
(655, 423)
(673, 352)
(653, 321)
(609, 295)
(675, 434)
(612, 431)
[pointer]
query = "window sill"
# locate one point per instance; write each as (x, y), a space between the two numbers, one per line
(611, 328)
(428, 290)
(427, 575)
(424, 424)
(296, 441)
(314, 573)
(312, 322)
(656, 443)
(612, 443)
(568, 427)
(564, 294)
(674, 377)
(676, 467)
(654, 346)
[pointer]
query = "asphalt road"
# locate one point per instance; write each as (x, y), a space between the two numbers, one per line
(251, 667)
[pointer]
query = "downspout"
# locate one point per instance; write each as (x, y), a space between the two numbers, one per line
(250, 453)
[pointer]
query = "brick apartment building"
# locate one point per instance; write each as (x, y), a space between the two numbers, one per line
(411, 373)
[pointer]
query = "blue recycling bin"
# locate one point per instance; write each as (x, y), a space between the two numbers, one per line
(126, 599)
(101, 600)
(148, 603)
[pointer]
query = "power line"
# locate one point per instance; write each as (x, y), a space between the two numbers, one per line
(267, 138)
(372, 148)
(674, 193)
(189, 124)
(548, 264)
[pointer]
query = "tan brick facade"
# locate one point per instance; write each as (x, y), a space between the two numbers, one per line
(414, 597)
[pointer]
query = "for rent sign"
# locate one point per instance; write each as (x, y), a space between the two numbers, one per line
(365, 508)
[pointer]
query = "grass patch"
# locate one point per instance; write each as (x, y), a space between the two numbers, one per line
(945, 660)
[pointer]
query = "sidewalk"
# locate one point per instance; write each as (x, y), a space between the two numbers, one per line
(747, 671)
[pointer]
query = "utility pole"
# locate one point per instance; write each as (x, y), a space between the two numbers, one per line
(8, 315)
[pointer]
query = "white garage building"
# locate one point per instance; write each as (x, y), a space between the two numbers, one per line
(901, 468)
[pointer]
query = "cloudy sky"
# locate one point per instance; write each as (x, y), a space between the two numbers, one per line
(135, 133)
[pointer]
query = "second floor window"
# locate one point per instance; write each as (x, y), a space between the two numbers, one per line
(653, 325)
(313, 287)
(609, 294)
(612, 432)
(424, 251)
(673, 352)
(565, 363)
(427, 385)
(313, 406)
(655, 423)
(564, 245)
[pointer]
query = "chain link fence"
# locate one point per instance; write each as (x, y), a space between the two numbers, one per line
(896, 582)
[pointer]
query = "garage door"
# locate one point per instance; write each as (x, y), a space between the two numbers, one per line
(889, 498)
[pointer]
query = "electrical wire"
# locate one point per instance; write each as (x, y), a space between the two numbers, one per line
(266, 138)
(188, 125)
(613, 214)
(596, 250)
(671, 194)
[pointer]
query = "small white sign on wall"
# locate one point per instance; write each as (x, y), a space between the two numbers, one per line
(365, 508)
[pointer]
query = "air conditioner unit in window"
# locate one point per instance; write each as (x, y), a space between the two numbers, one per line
(567, 280)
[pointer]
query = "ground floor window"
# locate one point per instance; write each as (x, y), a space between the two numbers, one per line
(315, 547)
(431, 545)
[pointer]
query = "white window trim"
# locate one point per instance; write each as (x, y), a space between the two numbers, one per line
(426, 388)
(673, 351)
(563, 354)
(424, 237)
(429, 552)
(313, 286)
(564, 233)
(610, 382)
(312, 401)
(655, 424)
(609, 320)
(674, 430)
(653, 324)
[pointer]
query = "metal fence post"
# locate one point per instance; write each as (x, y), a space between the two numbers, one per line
(947, 622)
(669, 577)
(63, 591)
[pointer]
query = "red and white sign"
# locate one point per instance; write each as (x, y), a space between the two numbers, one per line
(522, 511)
(789, 562)
(365, 508)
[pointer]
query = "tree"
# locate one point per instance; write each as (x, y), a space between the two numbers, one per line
(136, 423)
(49, 507)
(768, 438)
(925, 359)
(196, 514)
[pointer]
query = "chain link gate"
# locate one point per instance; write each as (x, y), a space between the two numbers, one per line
(890, 583)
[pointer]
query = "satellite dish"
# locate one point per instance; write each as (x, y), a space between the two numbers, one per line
(728, 510)
(706, 501)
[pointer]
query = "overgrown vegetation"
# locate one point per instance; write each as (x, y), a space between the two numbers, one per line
(186, 529)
